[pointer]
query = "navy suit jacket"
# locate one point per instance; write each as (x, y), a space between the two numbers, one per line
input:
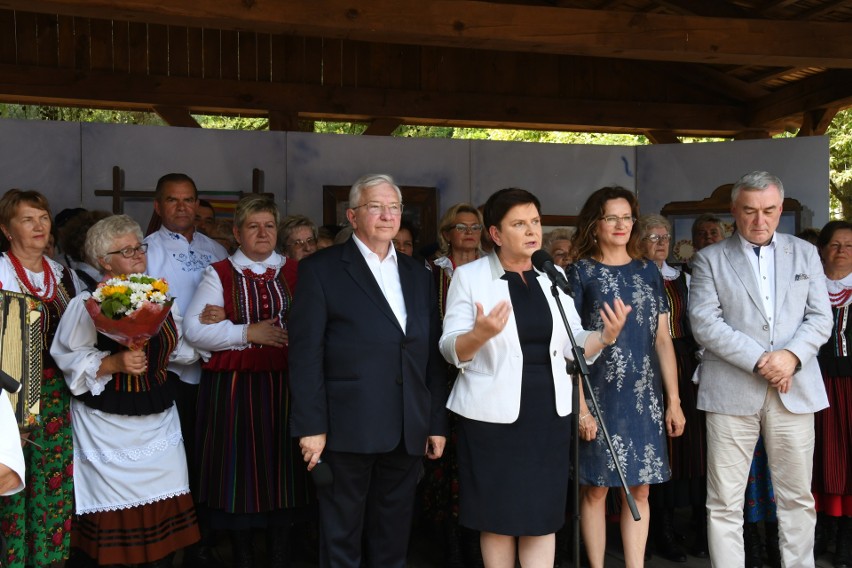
(354, 374)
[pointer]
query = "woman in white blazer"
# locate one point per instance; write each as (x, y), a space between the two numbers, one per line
(503, 330)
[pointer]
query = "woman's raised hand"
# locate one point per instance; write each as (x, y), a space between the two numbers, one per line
(487, 326)
(613, 319)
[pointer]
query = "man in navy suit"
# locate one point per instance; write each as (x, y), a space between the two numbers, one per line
(367, 382)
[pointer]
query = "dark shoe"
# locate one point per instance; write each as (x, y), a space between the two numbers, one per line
(200, 556)
(665, 540)
(773, 550)
(278, 547)
(751, 543)
(824, 534)
(242, 544)
(699, 548)
(452, 544)
(161, 563)
(843, 548)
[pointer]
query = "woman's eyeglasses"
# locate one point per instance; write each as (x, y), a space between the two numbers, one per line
(301, 243)
(130, 252)
(613, 220)
(655, 238)
(462, 228)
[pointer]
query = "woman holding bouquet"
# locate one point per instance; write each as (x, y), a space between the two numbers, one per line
(37, 522)
(251, 471)
(132, 486)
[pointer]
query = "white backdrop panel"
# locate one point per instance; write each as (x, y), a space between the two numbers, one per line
(44, 156)
(218, 160)
(686, 172)
(561, 175)
(315, 160)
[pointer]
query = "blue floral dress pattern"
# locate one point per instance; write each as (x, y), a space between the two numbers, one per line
(626, 377)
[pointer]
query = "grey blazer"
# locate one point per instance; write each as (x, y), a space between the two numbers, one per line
(728, 320)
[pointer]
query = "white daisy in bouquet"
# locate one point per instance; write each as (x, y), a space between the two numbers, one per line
(130, 309)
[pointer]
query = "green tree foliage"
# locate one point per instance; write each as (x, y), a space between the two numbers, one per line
(840, 165)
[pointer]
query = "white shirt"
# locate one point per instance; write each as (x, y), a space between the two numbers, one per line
(386, 273)
(225, 334)
(11, 454)
(182, 264)
(9, 280)
(764, 272)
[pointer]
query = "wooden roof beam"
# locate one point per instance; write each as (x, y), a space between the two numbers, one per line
(662, 137)
(103, 90)
(829, 89)
(511, 27)
(382, 127)
(176, 116)
(816, 122)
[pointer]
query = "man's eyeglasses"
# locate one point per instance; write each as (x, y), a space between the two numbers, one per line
(614, 219)
(376, 208)
(301, 243)
(655, 238)
(462, 228)
(130, 252)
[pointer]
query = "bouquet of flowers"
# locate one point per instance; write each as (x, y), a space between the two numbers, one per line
(130, 309)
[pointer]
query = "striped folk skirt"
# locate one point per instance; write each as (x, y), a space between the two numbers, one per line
(832, 483)
(248, 464)
(138, 535)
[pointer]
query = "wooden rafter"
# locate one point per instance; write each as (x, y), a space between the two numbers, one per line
(61, 87)
(470, 24)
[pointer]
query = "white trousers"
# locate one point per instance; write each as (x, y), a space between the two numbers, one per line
(789, 441)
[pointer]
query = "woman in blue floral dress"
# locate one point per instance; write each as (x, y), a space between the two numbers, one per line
(635, 378)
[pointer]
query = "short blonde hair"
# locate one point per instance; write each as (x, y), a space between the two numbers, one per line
(251, 204)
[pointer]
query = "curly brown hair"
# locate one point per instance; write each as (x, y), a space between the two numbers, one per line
(583, 243)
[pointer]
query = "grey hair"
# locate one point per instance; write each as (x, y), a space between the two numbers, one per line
(558, 234)
(756, 181)
(648, 222)
(368, 181)
(291, 222)
(707, 218)
(101, 235)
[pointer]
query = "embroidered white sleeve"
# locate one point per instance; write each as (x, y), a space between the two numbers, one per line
(93, 381)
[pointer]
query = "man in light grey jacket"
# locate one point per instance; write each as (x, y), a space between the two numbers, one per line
(759, 307)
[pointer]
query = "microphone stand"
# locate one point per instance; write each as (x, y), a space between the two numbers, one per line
(576, 368)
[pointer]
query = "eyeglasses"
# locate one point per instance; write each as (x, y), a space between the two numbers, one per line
(655, 238)
(301, 243)
(130, 252)
(376, 208)
(614, 219)
(462, 228)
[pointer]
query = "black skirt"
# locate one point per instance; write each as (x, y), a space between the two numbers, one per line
(513, 478)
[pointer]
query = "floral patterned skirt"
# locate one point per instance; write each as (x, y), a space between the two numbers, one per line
(37, 521)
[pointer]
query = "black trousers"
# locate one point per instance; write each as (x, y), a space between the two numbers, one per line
(371, 500)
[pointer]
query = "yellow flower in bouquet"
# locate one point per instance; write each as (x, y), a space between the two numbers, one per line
(130, 309)
(127, 294)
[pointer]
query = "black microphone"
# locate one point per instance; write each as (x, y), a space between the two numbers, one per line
(544, 263)
(8, 384)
